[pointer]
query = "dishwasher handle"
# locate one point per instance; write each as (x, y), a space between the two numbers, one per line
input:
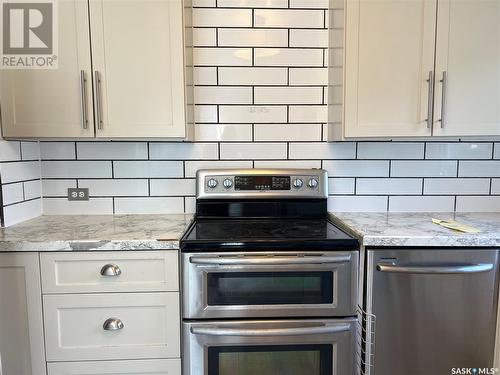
(435, 270)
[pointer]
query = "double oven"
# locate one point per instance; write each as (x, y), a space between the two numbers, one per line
(269, 284)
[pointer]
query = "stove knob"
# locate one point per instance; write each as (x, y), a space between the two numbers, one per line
(297, 183)
(212, 183)
(313, 183)
(228, 183)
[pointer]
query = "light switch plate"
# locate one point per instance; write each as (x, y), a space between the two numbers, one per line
(78, 194)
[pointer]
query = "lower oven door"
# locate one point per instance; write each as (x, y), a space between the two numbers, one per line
(268, 285)
(281, 347)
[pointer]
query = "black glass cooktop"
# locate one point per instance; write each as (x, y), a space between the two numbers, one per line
(271, 234)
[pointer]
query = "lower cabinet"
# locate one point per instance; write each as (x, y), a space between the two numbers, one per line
(21, 328)
(137, 367)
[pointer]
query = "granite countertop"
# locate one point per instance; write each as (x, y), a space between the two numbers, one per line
(417, 229)
(95, 232)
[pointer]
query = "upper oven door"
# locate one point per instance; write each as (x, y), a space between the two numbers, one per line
(267, 284)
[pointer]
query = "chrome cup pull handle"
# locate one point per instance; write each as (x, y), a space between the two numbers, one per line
(111, 270)
(113, 324)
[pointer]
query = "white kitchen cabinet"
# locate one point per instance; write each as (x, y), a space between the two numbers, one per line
(21, 329)
(468, 55)
(137, 51)
(135, 367)
(389, 56)
(128, 83)
(51, 103)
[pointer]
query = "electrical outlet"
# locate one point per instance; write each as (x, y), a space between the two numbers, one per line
(78, 194)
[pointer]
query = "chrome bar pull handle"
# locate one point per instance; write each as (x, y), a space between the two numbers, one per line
(265, 332)
(113, 324)
(433, 270)
(83, 91)
(98, 103)
(444, 82)
(430, 82)
(111, 270)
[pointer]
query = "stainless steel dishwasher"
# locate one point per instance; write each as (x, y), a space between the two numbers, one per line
(436, 309)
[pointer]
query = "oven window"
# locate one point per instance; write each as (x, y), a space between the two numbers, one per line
(272, 359)
(270, 288)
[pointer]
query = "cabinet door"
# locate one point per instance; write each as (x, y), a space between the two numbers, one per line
(137, 50)
(468, 53)
(21, 330)
(388, 58)
(51, 103)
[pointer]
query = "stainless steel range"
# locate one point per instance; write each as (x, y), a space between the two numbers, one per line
(269, 284)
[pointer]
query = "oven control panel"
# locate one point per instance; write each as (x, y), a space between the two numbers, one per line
(262, 183)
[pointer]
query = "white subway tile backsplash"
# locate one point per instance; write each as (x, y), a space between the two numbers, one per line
(421, 204)
(495, 186)
(203, 37)
(460, 150)
(479, 168)
(10, 150)
(115, 187)
(222, 132)
(309, 4)
(57, 188)
(388, 186)
(76, 169)
(193, 166)
(149, 205)
(252, 114)
(184, 151)
(253, 37)
(19, 171)
(289, 18)
(222, 56)
(253, 151)
(12, 193)
(222, 95)
(288, 57)
(147, 169)
(252, 76)
(497, 151)
(456, 186)
(357, 168)
(217, 17)
(287, 164)
(173, 187)
(323, 150)
(341, 186)
(61, 206)
(310, 113)
(308, 38)
(423, 168)
(287, 132)
(205, 113)
(357, 203)
(308, 76)
(253, 3)
(478, 204)
(288, 95)
(57, 150)
(390, 150)
(205, 75)
(30, 150)
(32, 189)
(111, 150)
(23, 211)
(204, 3)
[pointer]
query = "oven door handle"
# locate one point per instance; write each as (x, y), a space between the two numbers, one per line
(269, 261)
(265, 332)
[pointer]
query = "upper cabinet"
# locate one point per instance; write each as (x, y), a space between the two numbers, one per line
(421, 68)
(467, 94)
(120, 75)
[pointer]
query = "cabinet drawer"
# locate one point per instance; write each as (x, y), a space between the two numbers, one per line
(155, 271)
(74, 326)
(137, 367)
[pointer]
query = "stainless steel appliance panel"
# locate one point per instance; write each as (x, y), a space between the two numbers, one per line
(436, 309)
(267, 284)
(278, 347)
